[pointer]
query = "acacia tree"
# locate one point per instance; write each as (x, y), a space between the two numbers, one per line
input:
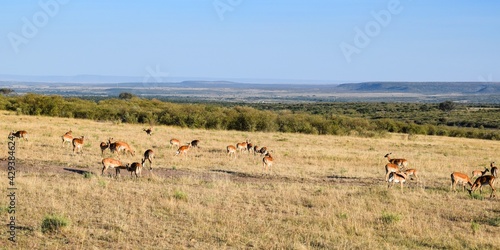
(125, 95)
(447, 106)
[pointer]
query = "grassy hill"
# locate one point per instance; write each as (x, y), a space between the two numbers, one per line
(323, 192)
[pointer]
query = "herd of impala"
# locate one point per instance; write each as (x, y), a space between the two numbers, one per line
(396, 171)
(118, 147)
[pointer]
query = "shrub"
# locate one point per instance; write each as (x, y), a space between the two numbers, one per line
(54, 223)
(389, 218)
(179, 195)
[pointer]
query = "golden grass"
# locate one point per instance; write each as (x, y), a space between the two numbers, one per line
(324, 192)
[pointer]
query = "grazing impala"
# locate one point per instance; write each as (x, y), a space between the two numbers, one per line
(267, 161)
(135, 168)
(182, 150)
(174, 142)
(478, 172)
(484, 180)
(242, 145)
(494, 169)
(411, 171)
(149, 155)
(111, 163)
(19, 134)
(67, 137)
(390, 168)
(148, 131)
(78, 144)
(457, 177)
(396, 177)
(399, 162)
(231, 150)
(195, 143)
(119, 146)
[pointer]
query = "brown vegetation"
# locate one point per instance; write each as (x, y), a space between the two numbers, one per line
(318, 196)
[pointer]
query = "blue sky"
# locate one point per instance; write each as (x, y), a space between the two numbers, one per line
(326, 40)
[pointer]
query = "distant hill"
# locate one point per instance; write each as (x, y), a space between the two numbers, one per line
(234, 91)
(429, 88)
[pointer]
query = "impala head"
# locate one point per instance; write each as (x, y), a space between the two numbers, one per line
(387, 154)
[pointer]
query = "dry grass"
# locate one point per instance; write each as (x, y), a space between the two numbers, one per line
(324, 192)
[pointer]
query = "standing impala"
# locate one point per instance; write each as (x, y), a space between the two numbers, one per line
(399, 162)
(390, 168)
(67, 137)
(242, 145)
(19, 134)
(411, 171)
(267, 161)
(457, 177)
(396, 177)
(148, 131)
(78, 144)
(119, 146)
(111, 163)
(231, 150)
(135, 168)
(174, 142)
(182, 150)
(149, 155)
(478, 172)
(105, 145)
(484, 180)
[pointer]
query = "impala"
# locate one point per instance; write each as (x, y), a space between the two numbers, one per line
(267, 161)
(256, 149)
(242, 145)
(410, 172)
(231, 150)
(457, 177)
(182, 150)
(478, 172)
(119, 146)
(135, 167)
(263, 150)
(149, 155)
(111, 163)
(19, 134)
(195, 143)
(103, 146)
(148, 131)
(67, 137)
(396, 177)
(494, 169)
(390, 168)
(249, 147)
(399, 162)
(78, 144)
(174, 142)
(484, 180)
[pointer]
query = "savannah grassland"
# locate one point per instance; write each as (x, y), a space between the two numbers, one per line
(324, 192)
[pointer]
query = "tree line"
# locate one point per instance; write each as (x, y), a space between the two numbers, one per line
(132, 109)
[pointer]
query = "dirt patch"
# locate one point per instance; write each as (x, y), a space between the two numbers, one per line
(211, 175)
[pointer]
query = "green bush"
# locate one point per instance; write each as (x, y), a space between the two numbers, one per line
(54, 223)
